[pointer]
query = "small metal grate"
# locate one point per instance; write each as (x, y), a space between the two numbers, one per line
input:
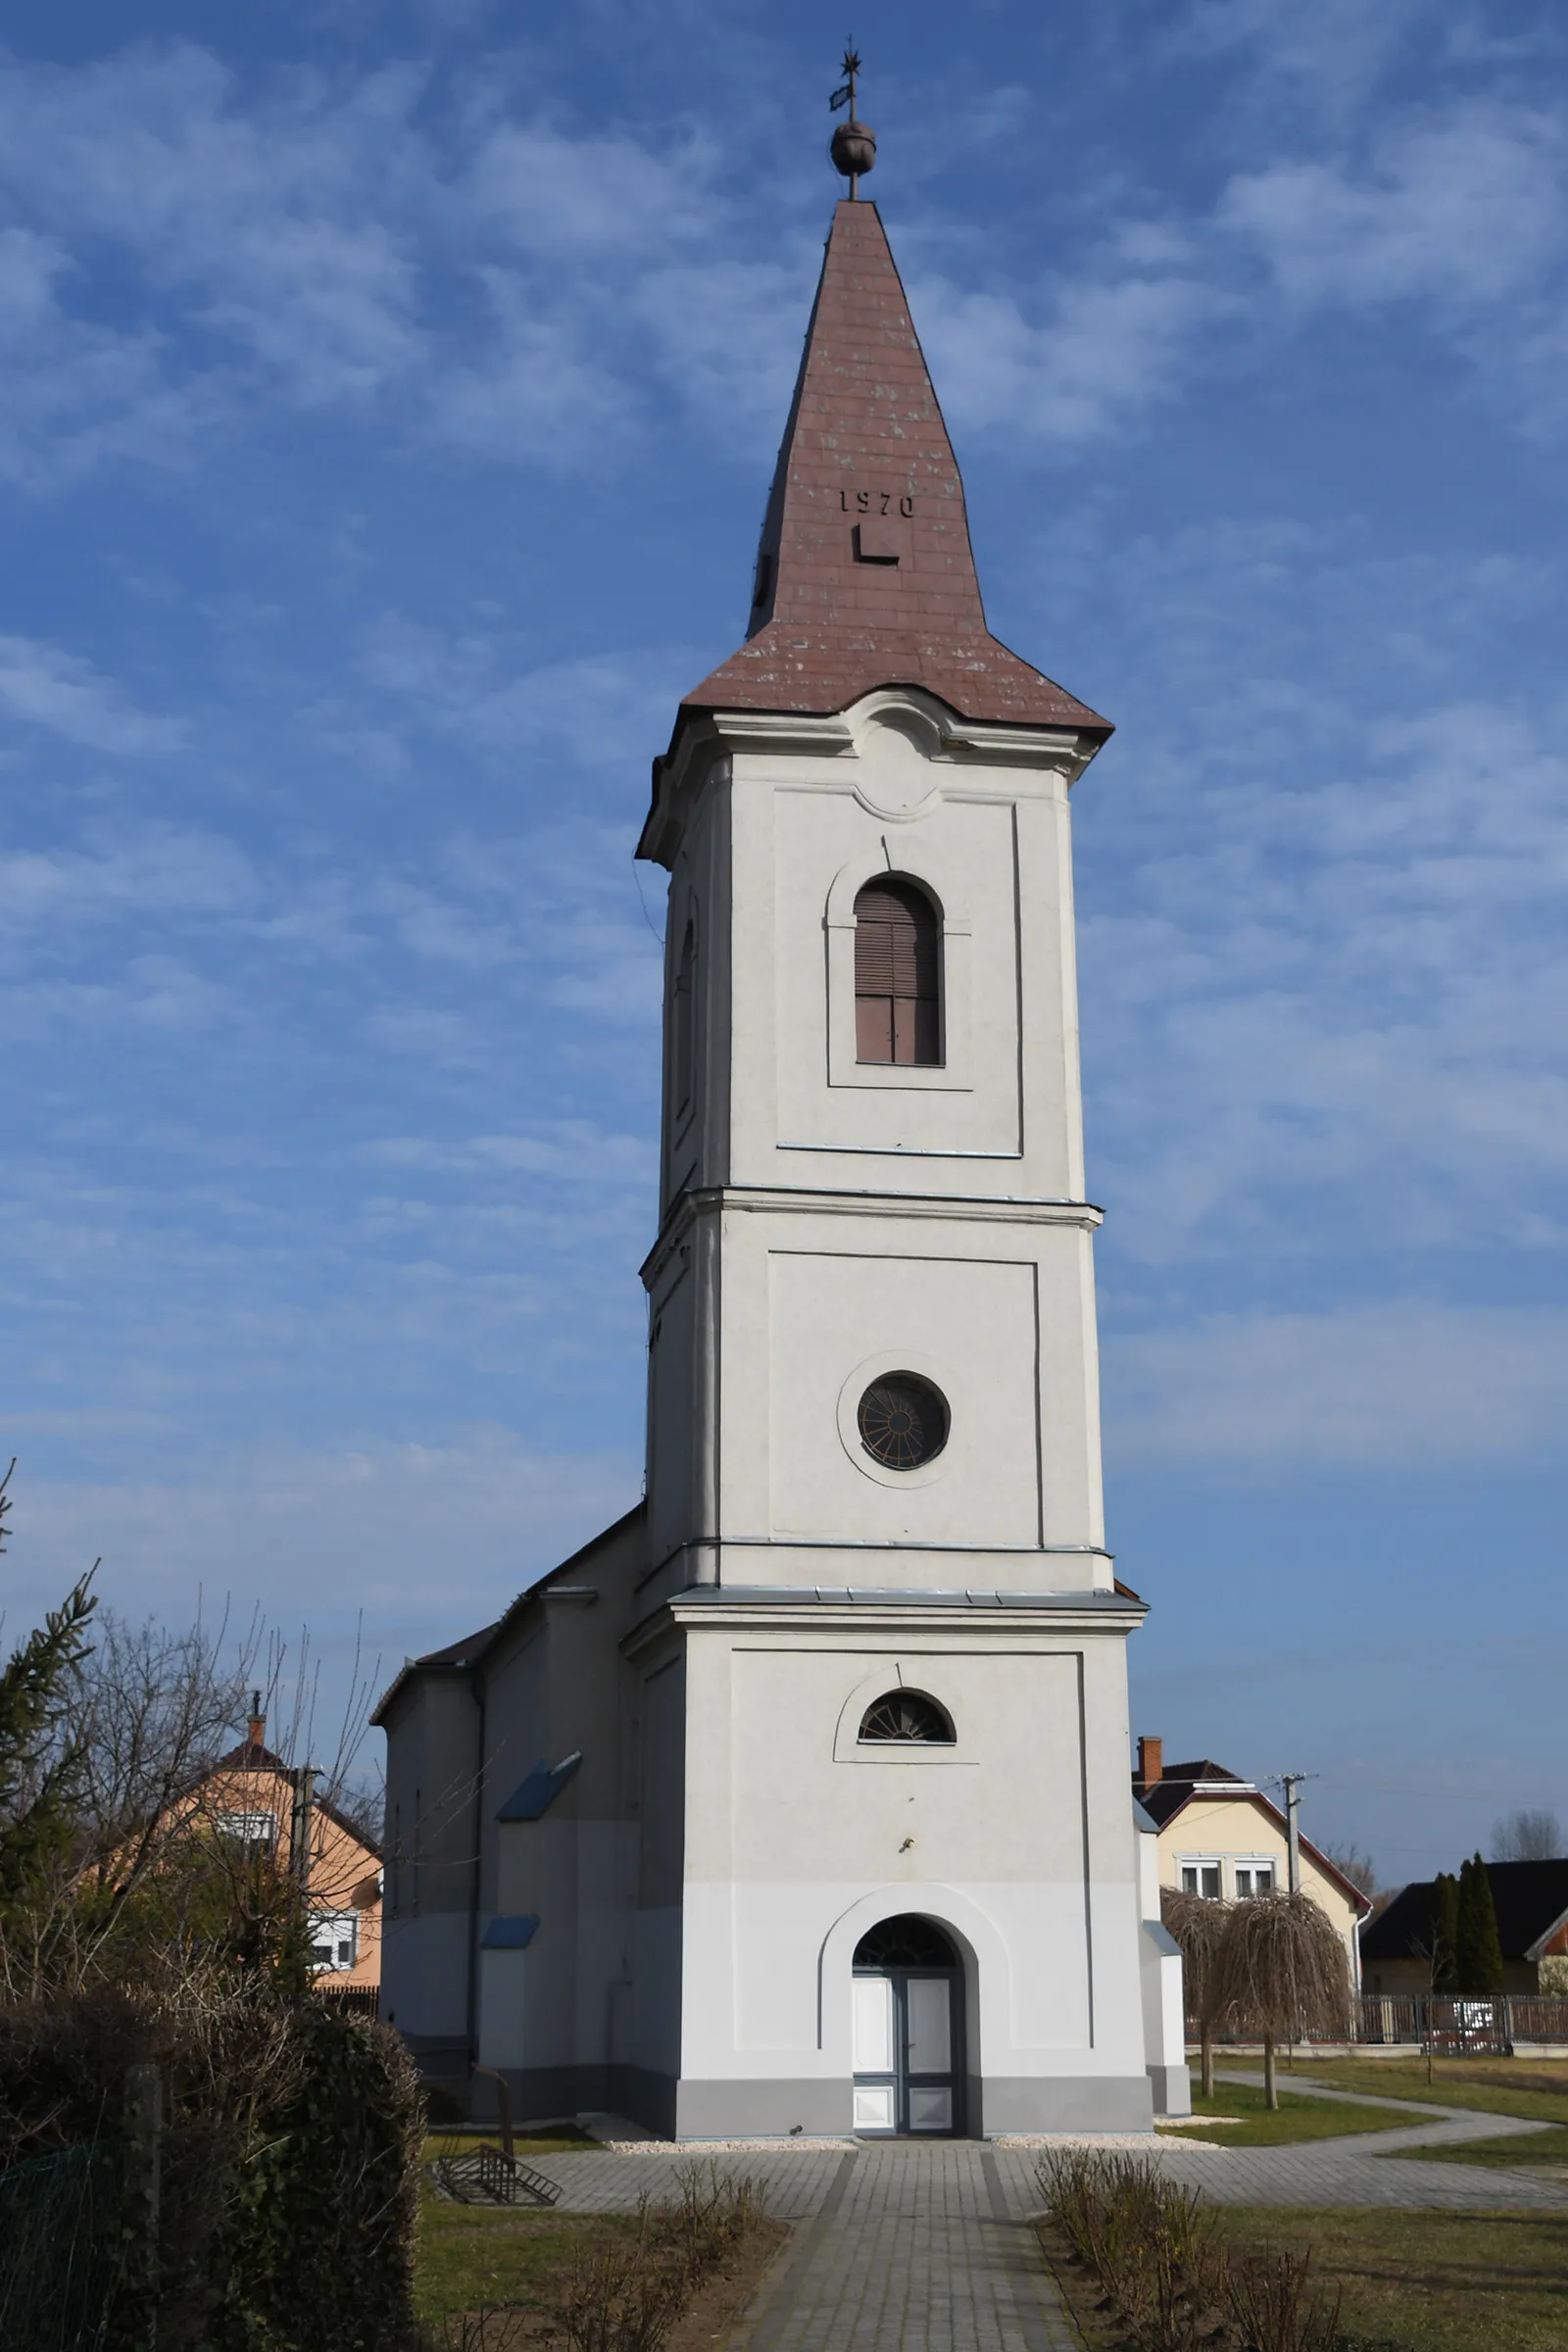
(487, 2176)
(903, 1421)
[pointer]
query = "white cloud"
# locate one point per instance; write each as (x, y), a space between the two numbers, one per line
(1330, 57)
(588, 200)
(429, 1541)
(1102, 350)
(1385, 1386)
(1465, 210)
(68, 696)
(269, 217)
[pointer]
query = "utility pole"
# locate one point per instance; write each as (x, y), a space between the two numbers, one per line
(299, 1854)
(1292, 1825)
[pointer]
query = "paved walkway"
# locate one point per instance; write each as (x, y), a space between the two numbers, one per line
(927, 2247)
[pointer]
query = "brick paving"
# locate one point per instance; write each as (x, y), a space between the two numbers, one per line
(926, 2247)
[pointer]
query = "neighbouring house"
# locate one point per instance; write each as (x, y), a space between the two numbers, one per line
(1530, 1900)
(253, 1795)
(1221, 1837)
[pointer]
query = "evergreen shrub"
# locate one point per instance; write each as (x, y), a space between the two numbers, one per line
(319, 2240)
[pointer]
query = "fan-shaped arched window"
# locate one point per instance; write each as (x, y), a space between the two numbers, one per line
(906, 1715)
(898, 973)
(908, 1942)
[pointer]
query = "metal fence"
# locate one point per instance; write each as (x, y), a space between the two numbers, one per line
(1459, 2025)
(364, 1999)
(58, 2247)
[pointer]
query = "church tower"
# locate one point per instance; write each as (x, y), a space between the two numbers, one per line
(881, 1649)
(799, 1800)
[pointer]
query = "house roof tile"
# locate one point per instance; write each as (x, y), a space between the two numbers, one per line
(1530, 1898)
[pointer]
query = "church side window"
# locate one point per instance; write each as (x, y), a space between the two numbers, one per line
(908, 1715)
(898, 968)
(682, 1021)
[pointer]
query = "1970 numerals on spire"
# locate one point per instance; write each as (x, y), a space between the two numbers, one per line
(875, 502)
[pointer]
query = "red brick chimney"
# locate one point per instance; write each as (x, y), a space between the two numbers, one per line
(1150, 1761)
(256, 1728)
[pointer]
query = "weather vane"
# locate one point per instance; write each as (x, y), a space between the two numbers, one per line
(853, 144)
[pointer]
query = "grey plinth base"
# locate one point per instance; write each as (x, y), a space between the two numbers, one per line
(1064, 2103)
(1173, 2090)
(815, 2108)
(803, 2109)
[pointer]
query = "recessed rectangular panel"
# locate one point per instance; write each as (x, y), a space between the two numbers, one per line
(872, 2012)
(930, 2110)
(873, 2107)
(969, 1327)
(929, 2002)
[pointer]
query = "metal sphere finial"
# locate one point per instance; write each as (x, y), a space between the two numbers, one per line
(853, 146)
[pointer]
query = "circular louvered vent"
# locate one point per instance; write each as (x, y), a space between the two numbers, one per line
(903, 1421)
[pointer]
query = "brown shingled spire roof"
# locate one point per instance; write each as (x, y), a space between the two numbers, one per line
(865, 577)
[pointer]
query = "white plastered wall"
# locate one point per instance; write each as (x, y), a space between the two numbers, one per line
(1016, 1839)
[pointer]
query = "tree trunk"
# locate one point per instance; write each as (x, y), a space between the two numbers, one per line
(1271, 2088)
(1206, 2075)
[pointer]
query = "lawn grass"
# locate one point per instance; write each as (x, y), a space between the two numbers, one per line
(469, 2255)
(472, 2259)
(1537, 2087)
(1548, 2148)
(1298, 2117)
(1494, 2281)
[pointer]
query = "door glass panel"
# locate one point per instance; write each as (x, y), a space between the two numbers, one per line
(873, 2107)
(930, 2110)
(930, 2013)
(872, 2041)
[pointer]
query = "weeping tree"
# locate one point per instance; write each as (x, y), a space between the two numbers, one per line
(1197, 1924)
(1280, 1973)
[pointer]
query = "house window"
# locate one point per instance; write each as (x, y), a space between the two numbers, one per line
(255, 1832)
(1253, 1878)
(897, 966)
(1202, 1878)
(906, 1715)
(334, 1938)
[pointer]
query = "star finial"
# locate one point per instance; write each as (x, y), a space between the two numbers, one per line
(853, 143)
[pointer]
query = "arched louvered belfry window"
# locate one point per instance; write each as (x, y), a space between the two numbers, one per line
(898, 974)
(906, 1715)
(682, 1014)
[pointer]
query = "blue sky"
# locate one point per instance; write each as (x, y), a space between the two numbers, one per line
(387, 399)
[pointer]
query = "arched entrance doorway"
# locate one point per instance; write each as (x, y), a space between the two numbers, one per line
(907, 2031)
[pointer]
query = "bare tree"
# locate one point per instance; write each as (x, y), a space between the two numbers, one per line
(1354, 1863)
(1532, 1834)
(154, 1710)
(1280, 1973)
(1196, 1923)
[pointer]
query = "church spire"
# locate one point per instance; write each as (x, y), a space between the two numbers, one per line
(864, 575)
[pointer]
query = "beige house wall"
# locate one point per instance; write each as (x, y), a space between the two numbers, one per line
(344, 1874)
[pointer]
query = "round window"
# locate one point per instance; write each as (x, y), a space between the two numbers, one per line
(903, 1421)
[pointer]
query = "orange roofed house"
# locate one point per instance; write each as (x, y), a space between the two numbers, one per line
(252, 1796)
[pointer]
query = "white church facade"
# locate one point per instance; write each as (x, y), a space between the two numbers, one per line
(797, 1802)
